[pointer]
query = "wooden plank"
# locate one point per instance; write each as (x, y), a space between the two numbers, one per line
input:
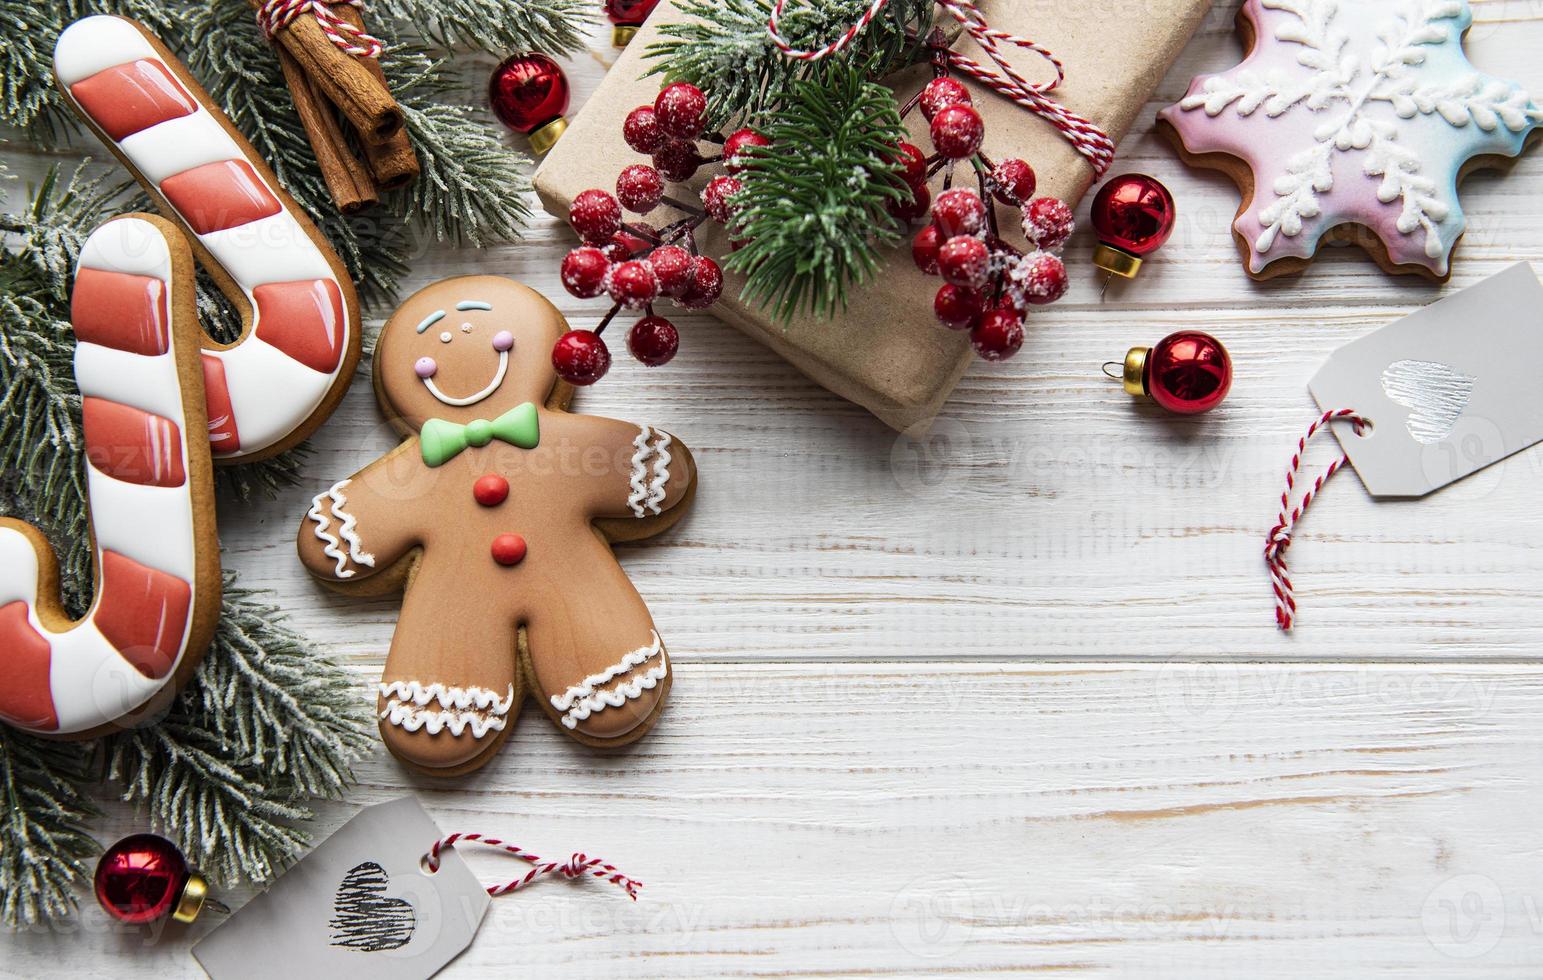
(926, 820)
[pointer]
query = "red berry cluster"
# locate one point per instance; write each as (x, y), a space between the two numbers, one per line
(989, 285)
(637, 263)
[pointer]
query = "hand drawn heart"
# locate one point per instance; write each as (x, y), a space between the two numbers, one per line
(1435, 395)
(364, 918)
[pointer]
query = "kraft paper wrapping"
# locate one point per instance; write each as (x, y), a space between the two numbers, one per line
(887, 352)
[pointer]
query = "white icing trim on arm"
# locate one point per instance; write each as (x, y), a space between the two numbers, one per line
(347, 530)
(332, 547)
(646, 498)
(661, 475)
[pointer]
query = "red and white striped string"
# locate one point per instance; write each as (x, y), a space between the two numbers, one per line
(577, 866)
(274, 15)
(1279, 538)
(1088, 139)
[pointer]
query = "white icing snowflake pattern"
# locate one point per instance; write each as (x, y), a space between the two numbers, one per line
(1384, 83)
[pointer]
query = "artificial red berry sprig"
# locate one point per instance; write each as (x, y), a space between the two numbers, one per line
(989, 285)
(637, 263)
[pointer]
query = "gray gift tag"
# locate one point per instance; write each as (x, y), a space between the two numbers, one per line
(360, 905)
(1449, 389)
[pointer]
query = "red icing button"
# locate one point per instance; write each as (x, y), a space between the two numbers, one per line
(491, 491)
(508, 549)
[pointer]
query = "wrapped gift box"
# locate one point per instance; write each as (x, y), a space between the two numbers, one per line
(887, 351)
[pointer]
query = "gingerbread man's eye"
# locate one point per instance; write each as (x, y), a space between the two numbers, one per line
(503, 340)
(465, 328)
(426, 367)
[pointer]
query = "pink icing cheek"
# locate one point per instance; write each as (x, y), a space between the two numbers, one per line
(503, 340)
(426, 368)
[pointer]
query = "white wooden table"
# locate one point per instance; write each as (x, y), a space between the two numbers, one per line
(1013, 700)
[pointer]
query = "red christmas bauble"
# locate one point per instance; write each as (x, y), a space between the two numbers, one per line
(144, 877)
(580, 357)
(529, 94)
(508, 549)
(1133, 215)
(627, 16)
(1187, 373)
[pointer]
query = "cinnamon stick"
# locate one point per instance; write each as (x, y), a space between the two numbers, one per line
(350, 184)
(360, 95)
(391, 159)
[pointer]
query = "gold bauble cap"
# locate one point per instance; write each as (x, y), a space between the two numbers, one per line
(545, 138)
(1134, 376)
(1116, 261)
(622, 34)
(192, 900)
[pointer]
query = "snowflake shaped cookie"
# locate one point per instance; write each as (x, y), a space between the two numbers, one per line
(1355, 120)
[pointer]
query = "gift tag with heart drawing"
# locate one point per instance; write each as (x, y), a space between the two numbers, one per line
(1448, 389)
(362, 904)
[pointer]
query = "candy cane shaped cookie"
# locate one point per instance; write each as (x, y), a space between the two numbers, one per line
(157, 600)
(301, 339)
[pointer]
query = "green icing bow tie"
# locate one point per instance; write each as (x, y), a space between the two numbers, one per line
(441, 441)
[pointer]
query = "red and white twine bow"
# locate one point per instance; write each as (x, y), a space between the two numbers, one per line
(1279, 538)
(1083, 134)
(274, 15)
(577, 866)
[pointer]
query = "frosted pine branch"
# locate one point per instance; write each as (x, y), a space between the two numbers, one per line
(723, 47)
(44, 846)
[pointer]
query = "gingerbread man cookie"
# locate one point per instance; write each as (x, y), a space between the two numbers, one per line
(1351, 121)
(497, 516)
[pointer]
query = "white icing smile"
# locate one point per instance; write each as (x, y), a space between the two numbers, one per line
(498, 379)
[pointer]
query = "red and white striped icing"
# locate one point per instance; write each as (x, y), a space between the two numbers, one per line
(268, 385)
(128, 646)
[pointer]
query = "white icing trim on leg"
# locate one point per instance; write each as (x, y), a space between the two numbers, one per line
(586, 698)
(478, 708)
